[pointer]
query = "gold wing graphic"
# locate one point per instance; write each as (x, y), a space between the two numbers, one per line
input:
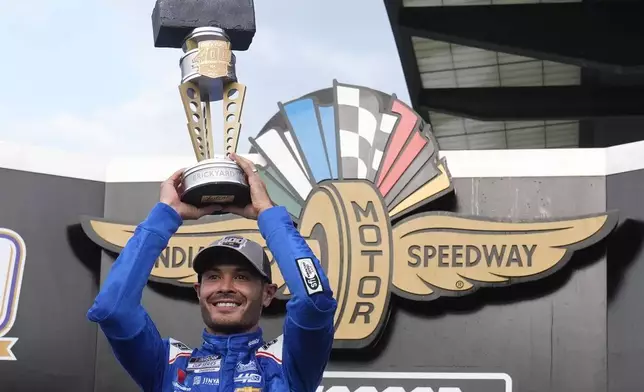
(174, 265)
(438, 254)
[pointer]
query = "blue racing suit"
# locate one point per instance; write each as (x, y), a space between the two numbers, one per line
(295, 361)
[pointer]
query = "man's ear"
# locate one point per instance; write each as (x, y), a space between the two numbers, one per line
(197, 286)
(269, 293)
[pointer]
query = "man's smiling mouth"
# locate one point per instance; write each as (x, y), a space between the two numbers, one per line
(226, 304)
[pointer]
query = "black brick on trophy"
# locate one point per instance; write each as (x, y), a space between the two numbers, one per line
(173, 20)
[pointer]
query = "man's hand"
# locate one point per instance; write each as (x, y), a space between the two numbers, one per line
(170, 191)
(260, 201)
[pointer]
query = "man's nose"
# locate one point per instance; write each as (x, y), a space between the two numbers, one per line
(226, 284)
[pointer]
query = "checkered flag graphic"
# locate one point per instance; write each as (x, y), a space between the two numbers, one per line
(387, 124)
(358, 121)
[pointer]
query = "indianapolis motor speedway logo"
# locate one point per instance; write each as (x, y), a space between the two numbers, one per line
(351, 165)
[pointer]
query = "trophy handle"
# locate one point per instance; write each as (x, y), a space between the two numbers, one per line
(199, 121)
(234, 95)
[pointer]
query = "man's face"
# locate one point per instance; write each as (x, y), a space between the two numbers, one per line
(232, 296)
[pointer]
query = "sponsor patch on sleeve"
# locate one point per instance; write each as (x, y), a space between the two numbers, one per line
(309, 275)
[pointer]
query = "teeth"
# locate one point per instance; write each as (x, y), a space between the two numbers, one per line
(227, 304)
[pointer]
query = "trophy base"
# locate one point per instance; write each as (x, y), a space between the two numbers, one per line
(215, 181)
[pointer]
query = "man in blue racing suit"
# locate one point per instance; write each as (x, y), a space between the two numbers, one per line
(234, 284)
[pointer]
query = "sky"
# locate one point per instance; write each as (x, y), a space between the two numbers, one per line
(84, 76)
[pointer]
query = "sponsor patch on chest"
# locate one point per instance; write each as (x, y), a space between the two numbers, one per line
(252, 378)
(208, 364)
(246, 367)
(203, 380)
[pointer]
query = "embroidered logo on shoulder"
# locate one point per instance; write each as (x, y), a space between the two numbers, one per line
(270, 343)
(272, 350)
(207, 364)
(309, 275)
(177, 350)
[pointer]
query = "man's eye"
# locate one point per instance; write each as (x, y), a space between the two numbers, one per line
(212, 277)
(242, 277)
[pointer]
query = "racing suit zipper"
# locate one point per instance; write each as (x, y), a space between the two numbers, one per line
(227, 373)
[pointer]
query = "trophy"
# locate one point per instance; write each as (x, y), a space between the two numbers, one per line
(208, 31)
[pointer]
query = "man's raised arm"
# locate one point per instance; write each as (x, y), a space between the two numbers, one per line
(308, 328)
(117, 309)
(133, 336)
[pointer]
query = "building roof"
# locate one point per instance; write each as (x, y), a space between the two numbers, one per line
(445, 65)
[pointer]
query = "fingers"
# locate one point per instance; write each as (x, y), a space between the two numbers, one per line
(247, 166)
(250, 170)
(176, 176)
(192, 212)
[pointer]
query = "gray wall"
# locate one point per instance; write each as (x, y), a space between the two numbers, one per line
(548, 335)
(625, 289)
(577, 330)
(56, 345)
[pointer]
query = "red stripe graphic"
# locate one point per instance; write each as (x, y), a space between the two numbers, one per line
(416, 144)
(268, 355)
(179, 356)
(408, 120)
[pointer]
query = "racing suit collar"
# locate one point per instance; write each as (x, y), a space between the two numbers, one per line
(238, 342)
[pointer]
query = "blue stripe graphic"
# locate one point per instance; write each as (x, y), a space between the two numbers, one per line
(327, 118)
(301, 115)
